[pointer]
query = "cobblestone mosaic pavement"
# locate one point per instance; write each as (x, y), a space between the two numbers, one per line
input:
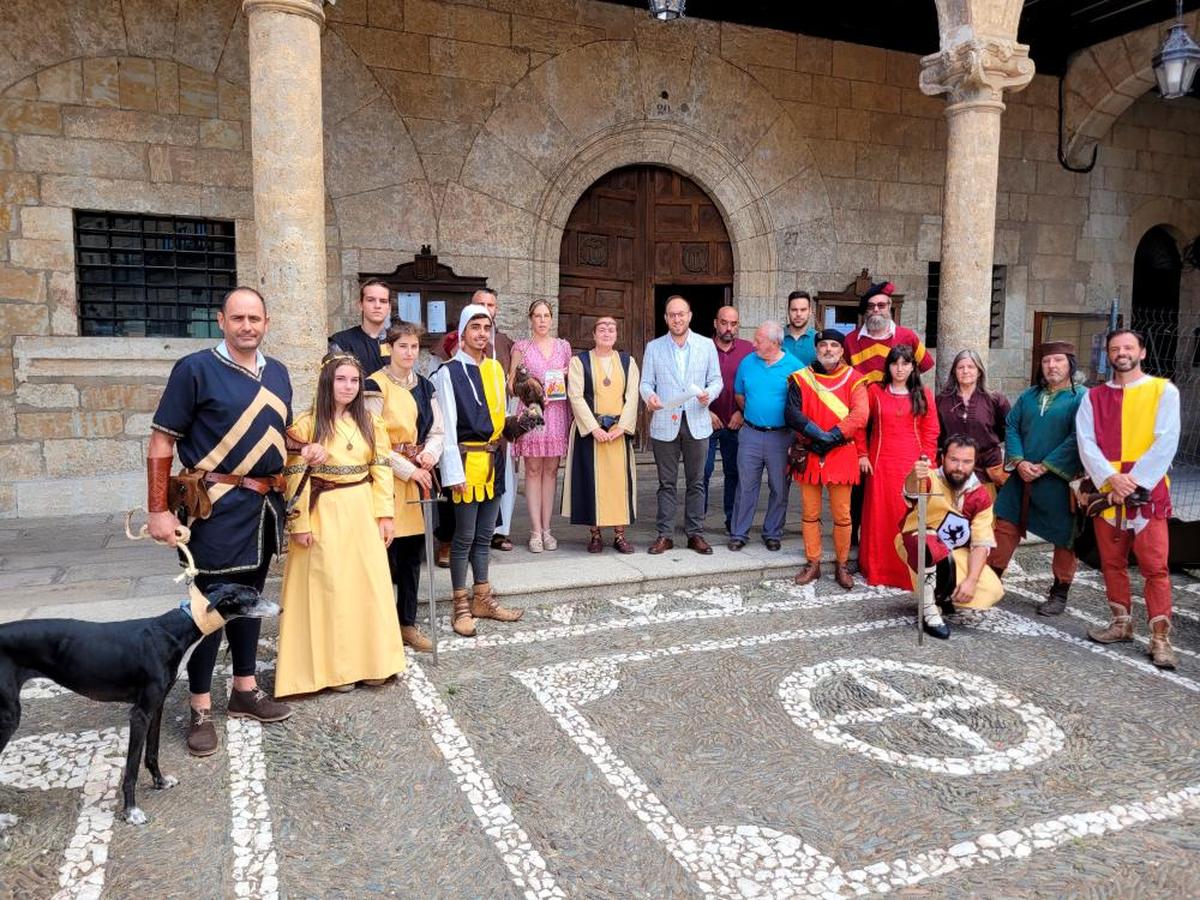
(743, 741)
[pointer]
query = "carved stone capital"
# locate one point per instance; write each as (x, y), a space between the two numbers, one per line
(312, 9)
(977, 71)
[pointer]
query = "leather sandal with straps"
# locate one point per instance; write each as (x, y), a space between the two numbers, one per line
(619, 542)
(596, 544)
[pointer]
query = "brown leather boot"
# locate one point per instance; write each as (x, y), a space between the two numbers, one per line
(412, 637)
(1162, 654)
(442, 557)
(808, 573)
(202, 734)
(460, 619)
(841, 574)
(1118, 630)
(484, 605)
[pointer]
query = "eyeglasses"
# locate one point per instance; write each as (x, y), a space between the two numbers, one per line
(883, 304)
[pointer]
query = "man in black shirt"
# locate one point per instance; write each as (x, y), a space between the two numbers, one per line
(365, 340)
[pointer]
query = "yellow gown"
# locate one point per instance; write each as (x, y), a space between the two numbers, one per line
(400, 418)
(338, 623)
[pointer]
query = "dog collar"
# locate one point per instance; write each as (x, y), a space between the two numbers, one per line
(207, 620)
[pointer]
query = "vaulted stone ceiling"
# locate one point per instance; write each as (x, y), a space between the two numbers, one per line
(1052, 28)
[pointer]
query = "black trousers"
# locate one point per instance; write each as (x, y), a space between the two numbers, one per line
(242, 633)
(404, 560)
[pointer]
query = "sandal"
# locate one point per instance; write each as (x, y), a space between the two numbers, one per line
(596, 544)
(622, 545)
(535, 543)
(501, 542)
(549, 541)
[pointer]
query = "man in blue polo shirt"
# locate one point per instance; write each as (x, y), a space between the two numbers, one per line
(760, 389)
(798, 339)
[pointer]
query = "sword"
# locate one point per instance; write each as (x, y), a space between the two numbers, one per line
(430, 560)
(922, 532)
(291, 504)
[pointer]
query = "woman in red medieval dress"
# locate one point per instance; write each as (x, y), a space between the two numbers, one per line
(903, 425)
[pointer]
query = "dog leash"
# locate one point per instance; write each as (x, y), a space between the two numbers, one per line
(183, 534)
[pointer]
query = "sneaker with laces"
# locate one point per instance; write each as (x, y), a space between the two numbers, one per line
(255, 704)
(202, 734)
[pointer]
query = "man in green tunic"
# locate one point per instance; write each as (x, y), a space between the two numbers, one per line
(1040, 449)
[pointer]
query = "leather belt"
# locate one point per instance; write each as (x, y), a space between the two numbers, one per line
(318, 486)
(409, 451)
(761, 428)
(260, 486)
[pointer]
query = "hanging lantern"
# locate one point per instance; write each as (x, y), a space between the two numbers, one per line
(1177, 59)
(666, 10)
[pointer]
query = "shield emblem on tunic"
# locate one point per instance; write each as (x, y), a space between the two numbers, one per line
(955, 530)
(695, 257)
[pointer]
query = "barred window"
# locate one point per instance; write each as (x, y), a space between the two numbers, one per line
(152, 276)
(996, 317)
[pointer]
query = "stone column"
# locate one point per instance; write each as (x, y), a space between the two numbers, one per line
(974, 73)
(289, 180)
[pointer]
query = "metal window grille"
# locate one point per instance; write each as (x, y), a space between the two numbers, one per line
(996, 314)
(152, 276)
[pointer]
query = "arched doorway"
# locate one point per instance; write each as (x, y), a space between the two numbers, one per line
(635, 237)
(1156, 270)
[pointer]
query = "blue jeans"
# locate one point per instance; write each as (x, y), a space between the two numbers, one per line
(727, 440)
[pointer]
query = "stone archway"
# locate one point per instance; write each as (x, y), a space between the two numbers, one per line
(1104, 80)
(610, 104)
(1157, 268)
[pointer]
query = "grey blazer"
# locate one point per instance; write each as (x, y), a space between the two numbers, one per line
(660, 376)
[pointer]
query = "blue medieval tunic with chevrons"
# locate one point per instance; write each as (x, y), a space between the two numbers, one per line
(231, 420)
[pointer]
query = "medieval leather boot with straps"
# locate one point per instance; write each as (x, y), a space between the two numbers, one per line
(1119, 629)
(1056, 600)
(1162, 654)
(461, 620)
(484, 605)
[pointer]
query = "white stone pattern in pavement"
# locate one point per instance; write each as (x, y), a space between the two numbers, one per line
(41, 689)
(800, 691)
(738, 861)
(90, 761)
(255, 867)
(524, 863)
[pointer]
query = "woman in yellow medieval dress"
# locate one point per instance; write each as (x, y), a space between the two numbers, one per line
(338, 626)
(601, 483)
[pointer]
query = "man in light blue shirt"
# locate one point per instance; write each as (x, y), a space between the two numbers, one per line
(681, 376)
(760, 389)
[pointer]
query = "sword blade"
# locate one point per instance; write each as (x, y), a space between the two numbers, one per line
(922, 526)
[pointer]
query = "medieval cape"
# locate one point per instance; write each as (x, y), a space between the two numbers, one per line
(229, 420)
(600, 488)
(1041, 429)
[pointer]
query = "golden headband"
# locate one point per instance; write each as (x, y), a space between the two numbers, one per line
(339, 358)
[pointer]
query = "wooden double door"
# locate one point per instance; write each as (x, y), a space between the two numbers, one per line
(637, 236)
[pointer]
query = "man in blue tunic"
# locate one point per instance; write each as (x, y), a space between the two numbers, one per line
(1040, 449)
(225, 411)
(366, 339)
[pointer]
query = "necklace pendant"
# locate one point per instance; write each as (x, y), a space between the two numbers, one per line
(607, 381)
(349, 445)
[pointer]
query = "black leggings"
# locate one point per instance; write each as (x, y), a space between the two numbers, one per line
(241, 632)
(404, 560)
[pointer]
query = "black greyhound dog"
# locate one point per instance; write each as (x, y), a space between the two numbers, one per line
(134, 662)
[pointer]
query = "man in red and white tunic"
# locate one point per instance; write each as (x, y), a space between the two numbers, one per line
(1128, 432)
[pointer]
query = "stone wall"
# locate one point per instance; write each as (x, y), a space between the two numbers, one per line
(475, 127)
